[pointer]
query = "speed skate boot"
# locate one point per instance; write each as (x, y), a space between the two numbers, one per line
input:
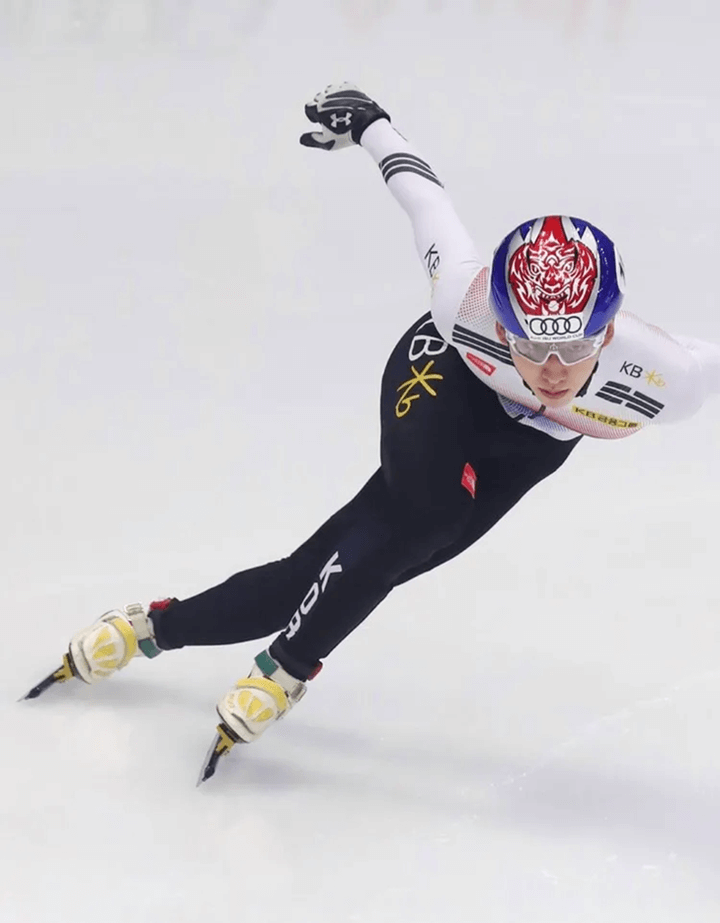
(252, 705)
(108, 645)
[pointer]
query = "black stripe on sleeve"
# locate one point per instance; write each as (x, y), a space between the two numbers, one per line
(387, 161)
(481, 344)
(405, 169)
(406, 163)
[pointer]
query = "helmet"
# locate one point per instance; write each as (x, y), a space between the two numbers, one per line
(555, 279)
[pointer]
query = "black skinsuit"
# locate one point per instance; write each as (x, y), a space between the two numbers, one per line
(452, 464)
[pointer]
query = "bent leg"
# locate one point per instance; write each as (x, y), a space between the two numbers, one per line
(261, 600)
(452, 464)
(331, 583)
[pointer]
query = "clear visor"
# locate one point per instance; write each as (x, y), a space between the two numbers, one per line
(569, 353)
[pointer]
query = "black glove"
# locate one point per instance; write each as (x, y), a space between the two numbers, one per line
(344, 112)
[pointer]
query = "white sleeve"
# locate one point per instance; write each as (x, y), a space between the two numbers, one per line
(684, 371)
(707, 359)
(702, 374)
(444, 246)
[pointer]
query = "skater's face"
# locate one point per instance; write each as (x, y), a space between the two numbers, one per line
(553, 383)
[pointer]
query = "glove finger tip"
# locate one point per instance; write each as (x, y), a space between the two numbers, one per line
(311, 111)
(309, 140)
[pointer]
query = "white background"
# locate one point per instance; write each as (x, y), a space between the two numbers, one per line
(196, 314)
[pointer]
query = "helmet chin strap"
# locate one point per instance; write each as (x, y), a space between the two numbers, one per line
(583, 391)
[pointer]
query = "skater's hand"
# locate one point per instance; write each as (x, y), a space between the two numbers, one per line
(343, 112)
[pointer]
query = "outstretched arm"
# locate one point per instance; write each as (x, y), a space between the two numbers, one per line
(702, 376)
(675, 374)
(347, 116)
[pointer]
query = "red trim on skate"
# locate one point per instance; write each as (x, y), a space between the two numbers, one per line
(161, 604)
(315, 672)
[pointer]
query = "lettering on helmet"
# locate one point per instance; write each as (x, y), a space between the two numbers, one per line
(554, 274)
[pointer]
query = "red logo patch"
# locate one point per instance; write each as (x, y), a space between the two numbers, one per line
(469, 479)
(481, 364)
(553, 275)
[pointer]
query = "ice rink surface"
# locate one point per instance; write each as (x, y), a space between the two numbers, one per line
(196, 314)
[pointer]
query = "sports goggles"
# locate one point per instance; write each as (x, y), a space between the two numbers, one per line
(569, 353)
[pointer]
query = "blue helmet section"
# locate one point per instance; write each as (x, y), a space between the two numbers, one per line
(608, 294)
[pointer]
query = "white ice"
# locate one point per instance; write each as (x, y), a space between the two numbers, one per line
(196, 314)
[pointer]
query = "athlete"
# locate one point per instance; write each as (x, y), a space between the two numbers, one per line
(484, 396)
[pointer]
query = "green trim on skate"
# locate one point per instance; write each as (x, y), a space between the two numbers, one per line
(266, 663)
(149, 648)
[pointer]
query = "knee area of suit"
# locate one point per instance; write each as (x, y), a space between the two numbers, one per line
(438, 527)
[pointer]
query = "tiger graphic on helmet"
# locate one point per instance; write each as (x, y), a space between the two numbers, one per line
(556, 278)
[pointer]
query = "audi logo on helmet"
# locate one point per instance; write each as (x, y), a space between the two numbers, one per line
(555, 327)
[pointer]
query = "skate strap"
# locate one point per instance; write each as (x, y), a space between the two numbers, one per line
(102, 650)
(148, 647)
(266, 664)
(140, 619)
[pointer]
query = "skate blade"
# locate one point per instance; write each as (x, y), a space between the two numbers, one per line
(61, 675)
(222, 744)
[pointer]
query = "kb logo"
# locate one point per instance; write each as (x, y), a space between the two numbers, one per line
(335, 119)
(634, 371)
(424, 344)
(555, 326)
